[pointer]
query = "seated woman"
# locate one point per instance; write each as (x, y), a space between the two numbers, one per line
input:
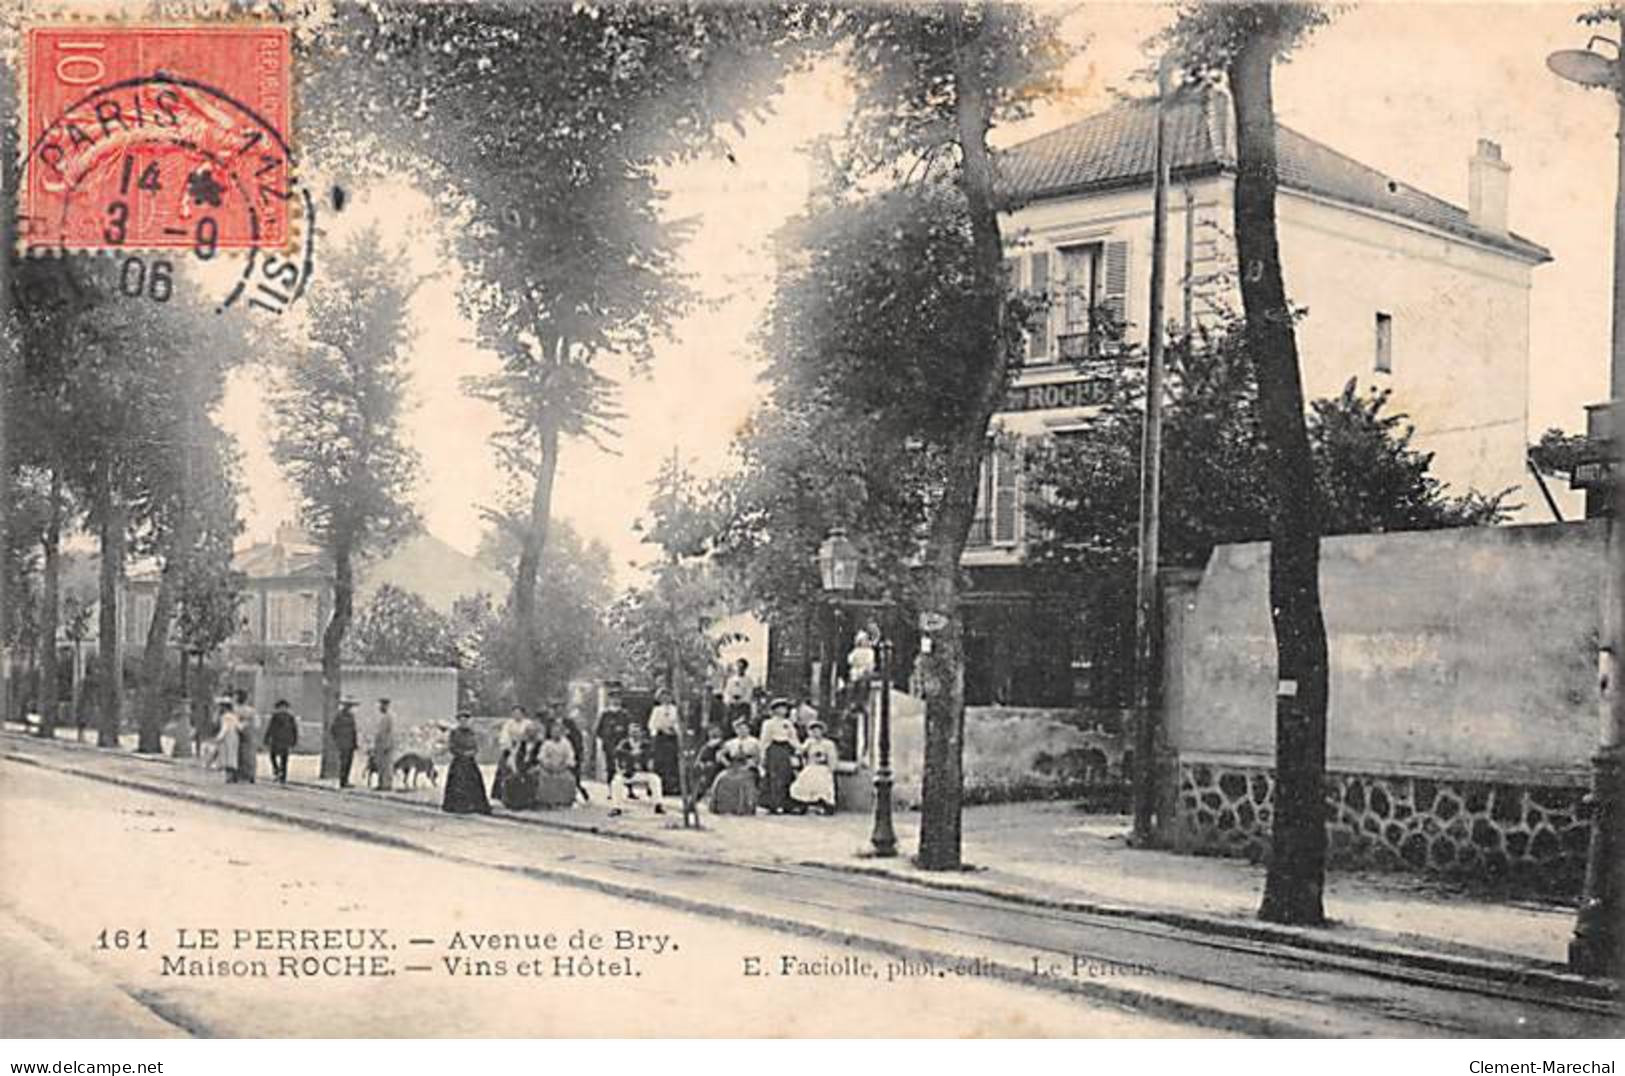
(465, 789)
(509, 736)
(519, 786)
(735, 789)
(555, 769)
(815, 785)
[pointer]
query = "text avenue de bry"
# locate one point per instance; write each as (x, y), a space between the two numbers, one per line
(578, 953)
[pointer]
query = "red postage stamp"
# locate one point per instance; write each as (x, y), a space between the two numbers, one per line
(158, 138)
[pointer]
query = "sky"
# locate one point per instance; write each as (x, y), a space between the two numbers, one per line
(1406, 88)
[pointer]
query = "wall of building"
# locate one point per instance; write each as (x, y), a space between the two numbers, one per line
(1460, 324)
(1460, 314)
(1463, 697)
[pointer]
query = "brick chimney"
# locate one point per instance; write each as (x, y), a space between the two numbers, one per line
(1487, 180)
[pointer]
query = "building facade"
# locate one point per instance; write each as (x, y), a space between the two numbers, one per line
(1400, 290)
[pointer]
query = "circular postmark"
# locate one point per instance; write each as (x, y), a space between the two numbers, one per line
(158, 166)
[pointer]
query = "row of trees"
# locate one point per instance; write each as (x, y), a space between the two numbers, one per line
(893, 331)
(891, 337)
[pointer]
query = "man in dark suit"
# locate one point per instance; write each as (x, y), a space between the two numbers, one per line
(281, 734)
(344, 738)
(612, 724)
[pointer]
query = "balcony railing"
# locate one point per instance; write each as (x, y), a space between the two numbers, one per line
(1075, 347)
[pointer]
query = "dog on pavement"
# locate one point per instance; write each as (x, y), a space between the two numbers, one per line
(412, 765)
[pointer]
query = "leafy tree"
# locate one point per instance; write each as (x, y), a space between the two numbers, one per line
(185, 509)
(666, 624)
(337, 436)
(1243, 41)
(97, 379)
(397, 627)
(897, 312)
(1368, 478)
(566, 253)
(573, 636)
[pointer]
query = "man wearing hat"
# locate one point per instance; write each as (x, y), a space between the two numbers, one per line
(344, 738)
(281, 734)
(780, 748)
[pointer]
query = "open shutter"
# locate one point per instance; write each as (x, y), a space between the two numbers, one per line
(1114, 293)
(1006, 472)
(1038, 283)
(1034, 496)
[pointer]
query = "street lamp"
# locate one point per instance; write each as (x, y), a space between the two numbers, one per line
(838, 571)
(1598, 939)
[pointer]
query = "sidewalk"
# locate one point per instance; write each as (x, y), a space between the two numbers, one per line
(1049, 853)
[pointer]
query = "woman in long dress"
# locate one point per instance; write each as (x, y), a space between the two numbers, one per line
(465, 788)
(735, 789)
(248, 740)
(230, 739)
(780, 750)
(815, 785)
(555, 769)
(663, 732)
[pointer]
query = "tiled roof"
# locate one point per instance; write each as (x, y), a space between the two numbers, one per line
(1114, 149)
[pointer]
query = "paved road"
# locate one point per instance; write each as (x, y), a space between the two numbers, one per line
(1089, 966)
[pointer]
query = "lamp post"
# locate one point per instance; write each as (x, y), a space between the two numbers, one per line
(838, 572)
(1596, 948)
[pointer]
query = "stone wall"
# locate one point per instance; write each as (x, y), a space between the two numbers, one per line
(1014, 753)
(1462, 711)
(1528, 835)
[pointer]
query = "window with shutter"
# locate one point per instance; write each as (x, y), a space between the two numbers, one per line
(981, 530)
(1080, 291)
(1006, 473)
(1114, 293)
(1038, 283)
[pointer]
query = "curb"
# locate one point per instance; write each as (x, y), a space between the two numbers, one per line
(1542, 976)
(1548, 977)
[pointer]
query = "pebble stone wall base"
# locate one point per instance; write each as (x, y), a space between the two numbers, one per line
(1530, 836)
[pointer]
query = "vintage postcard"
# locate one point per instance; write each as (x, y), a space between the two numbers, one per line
(857, 520)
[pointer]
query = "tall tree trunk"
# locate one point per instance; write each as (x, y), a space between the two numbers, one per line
(49, 605)
(154, 657)
(110, 512)
(528, 676)
(1297, 867)
(333, 649)
(944, 667)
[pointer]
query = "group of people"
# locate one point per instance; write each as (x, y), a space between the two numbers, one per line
(784, 764)
(538, 761)
(782, 767)
(232, 742)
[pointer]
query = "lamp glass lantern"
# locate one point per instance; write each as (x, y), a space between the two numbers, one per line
(838, 562)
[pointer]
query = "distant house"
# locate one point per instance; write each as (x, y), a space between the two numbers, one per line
(288, 592)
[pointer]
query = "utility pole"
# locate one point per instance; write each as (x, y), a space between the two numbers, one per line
(1598, 945)
(1145, 590)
